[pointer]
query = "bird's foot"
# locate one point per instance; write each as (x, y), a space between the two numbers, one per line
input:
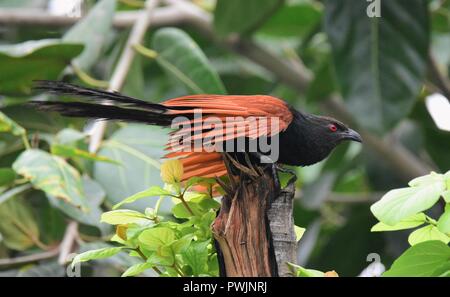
(251, 171)
(273, 167)
(292, 172)
(278, 168)
(255, 169)
(286, 170)
(276, 179)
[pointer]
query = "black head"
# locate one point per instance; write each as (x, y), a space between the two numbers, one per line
(330, 130)
(315, 138)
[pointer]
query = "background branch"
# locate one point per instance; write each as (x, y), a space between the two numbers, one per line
(354, 198)
(30, 258)
(123, 66)
(162, 16)
(66, 246)
(63, 249)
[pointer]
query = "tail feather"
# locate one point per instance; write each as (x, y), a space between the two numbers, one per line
(63, 88)
(124, 108)
(104, 112)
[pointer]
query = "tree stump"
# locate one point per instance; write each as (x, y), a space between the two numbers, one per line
(282, 227)
(254, 230)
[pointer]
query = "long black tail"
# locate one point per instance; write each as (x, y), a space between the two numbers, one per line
(123, 108)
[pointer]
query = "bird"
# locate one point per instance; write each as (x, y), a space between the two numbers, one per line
(302, 139)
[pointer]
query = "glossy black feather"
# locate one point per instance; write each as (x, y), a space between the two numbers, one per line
(63, 88)
(104, 112)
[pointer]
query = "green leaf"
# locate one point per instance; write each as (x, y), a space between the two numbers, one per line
(92, 31)
(135, 85)
(378, 81)
(292, 20)
(95, 196)
(303, 272)
(8, 125)
(96, 254)
(138, 149)
(133, 231)
(69, 136)
(17, 224)
(182, 59)
(13, 192)
(427, 233)
(299, 231)
(52, 175)
(196, 256)
(198, 203)
(121, 260)
(137, 269)
(196, 180)
(43, 59)
(180, 211)
(34, 120)
(435, 141)
(164, 256)
(420, 260)
(72, 152)
(181, 245)
(49, 219)
(408, 223)
(152, 191)
(446, 195)
(7, 176)
(205, 202)
(323, 84)
(399, 204)
(124, 216)
(431, 178)
(155, 238)
(442, 270)
(444, 221)
(236, 16)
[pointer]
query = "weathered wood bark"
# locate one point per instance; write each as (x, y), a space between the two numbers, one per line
(282, 227)
(244, 240)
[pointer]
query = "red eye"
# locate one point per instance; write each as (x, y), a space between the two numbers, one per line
(333, 128)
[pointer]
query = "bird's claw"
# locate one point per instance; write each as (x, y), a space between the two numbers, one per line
(287, 170)
(278, 168)
(256, 171)
(250, 171)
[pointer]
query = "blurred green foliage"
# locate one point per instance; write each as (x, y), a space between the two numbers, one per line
(377, 65)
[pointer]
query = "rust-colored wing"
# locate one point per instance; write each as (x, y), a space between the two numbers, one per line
(212, 119)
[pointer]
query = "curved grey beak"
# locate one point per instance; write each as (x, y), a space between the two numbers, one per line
(352, 135)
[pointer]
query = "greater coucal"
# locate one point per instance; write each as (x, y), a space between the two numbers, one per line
(304, 139)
